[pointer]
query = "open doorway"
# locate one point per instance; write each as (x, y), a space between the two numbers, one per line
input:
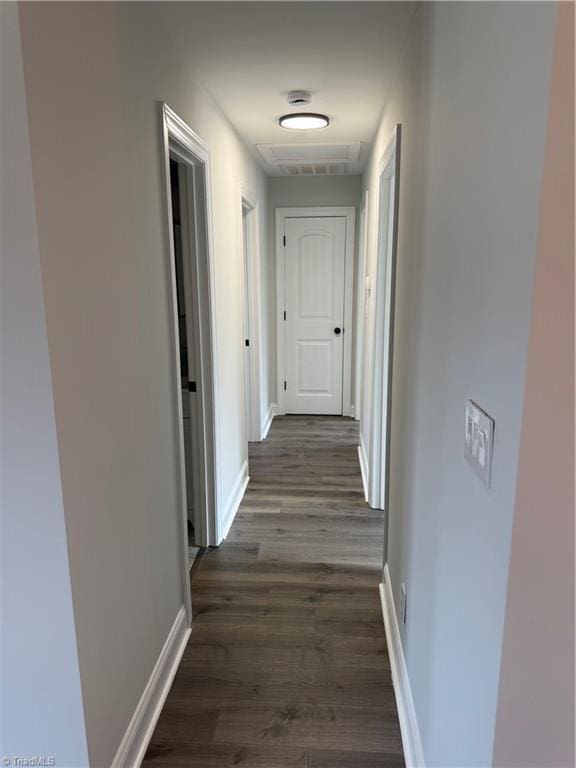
(361, 307)
(379, 334)
(191, 298)
(185, 309)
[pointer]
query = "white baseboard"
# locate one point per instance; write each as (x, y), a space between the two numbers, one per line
(139, 732)
(352, 412)
(363, 459)
(268, 420)
(234, 500)
(411, 741)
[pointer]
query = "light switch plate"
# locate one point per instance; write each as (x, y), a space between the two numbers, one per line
(479, 441)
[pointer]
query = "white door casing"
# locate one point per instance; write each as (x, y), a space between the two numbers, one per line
(315, 267)
(314, 274)
(181, 143)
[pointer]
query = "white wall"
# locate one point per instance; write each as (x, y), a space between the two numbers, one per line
(296, 192)
(535, 723)
(471, 95)
(94, 76)
(40, 699)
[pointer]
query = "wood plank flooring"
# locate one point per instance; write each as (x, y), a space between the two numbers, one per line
(287, 665)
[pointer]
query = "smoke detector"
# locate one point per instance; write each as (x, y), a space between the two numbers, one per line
(299, 98)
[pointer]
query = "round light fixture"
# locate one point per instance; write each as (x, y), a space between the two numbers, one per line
(304, 121)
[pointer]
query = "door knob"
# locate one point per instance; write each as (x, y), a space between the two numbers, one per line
(337, 331)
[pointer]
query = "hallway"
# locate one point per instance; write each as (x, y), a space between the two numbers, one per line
(219, 213)
(286, 664)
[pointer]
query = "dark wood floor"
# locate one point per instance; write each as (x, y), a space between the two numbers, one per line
(287, 665)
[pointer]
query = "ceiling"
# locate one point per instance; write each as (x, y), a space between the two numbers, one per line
(248, 55)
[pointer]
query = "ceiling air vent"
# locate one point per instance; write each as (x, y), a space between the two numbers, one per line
(310, 159)
(320, 169)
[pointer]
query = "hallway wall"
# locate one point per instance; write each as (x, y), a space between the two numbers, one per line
(94, 76)
(295, 192)
(40, 697)
(535, 724)
(471, 95)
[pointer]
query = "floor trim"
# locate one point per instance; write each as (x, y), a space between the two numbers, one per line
(235, 499)
(411, 741)
(139, 732)
(268, 420)
(363, 459)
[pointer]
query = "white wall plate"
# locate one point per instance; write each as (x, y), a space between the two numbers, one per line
(479, 441)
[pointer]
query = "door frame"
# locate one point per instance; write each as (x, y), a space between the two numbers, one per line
(250, 261)
(181, 143)
(360, 314)
(382, 318)
(349, 213)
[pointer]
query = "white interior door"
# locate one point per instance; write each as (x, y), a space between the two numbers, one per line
(315, 261)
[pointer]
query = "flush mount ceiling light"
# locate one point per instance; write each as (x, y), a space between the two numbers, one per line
(304, 121)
